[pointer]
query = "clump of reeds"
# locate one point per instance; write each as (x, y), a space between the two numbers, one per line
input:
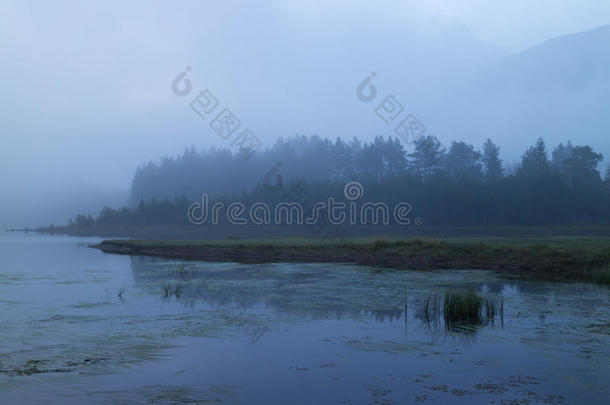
(461, 310)
(432, 310)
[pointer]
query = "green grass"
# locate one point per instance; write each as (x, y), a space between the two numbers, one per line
(560, 258)
(462, 308)
(461, 311)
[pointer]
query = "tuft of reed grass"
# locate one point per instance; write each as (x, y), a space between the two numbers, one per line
(433, 309)
(461, 310)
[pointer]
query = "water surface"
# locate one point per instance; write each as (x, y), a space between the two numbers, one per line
(81, 326)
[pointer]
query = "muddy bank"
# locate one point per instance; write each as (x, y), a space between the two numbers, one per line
(562, 261)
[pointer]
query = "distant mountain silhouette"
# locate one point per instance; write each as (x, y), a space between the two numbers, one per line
(567, 62)
(559, 90)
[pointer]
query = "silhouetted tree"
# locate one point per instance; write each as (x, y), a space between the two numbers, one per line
(427, 157)
(463, 160)
(491, 161)
(561, 154)
(447, 189)
(535, 161)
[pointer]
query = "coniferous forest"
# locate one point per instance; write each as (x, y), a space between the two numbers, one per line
(454, 185)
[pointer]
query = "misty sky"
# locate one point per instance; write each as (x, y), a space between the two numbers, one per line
(86, 92)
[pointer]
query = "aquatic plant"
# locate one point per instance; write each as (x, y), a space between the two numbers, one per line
(432, 309)
(461, 310)
(462, 307)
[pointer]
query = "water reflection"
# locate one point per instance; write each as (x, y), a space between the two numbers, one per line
(315, 292)
(299, 291)
(462, 311)
(75, 320)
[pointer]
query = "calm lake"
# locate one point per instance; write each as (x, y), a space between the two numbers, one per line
(81, 326)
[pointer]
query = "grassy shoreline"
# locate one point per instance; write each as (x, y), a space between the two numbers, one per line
(566, 259)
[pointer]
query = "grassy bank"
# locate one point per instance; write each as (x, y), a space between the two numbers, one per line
(568, 258)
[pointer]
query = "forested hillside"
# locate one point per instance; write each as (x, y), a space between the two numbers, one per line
(458, 185)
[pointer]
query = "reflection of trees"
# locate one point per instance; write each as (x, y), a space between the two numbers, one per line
(312, 291)
(317, 291)
(251, 297)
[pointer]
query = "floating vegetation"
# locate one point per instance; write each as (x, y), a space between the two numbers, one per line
(461, 310)
(173, 394)
(253, 327)
(602, 328)
(33, 367)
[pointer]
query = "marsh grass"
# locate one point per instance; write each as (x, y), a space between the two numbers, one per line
(463, 311)
(462, 308)
(600, 276)
(580, 259)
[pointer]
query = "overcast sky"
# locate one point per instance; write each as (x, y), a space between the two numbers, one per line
(86, 93)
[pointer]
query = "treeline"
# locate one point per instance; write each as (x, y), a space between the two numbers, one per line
(219, 172)
(457, 185)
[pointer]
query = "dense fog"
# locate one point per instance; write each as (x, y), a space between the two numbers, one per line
(87, 94)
